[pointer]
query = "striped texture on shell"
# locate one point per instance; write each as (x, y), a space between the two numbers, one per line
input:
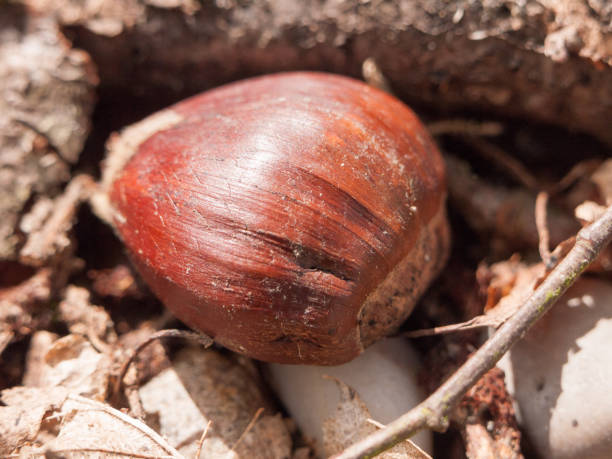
(294, 217)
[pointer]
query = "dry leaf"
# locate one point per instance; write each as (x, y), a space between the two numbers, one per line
(204, 386)
(352, 422)
(510, 285)
(40, 422)
(85, 318)
(499, 278)
(117, 282)
(21, 419)
(51, 240)
(92, 426)
(73, 363)
(525, 280)
(150, 361)
(179, 418)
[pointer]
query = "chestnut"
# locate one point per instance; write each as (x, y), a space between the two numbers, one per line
(295, 218)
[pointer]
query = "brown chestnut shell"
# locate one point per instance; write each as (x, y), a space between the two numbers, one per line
(295, 218)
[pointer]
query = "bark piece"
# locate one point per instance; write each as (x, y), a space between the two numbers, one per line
(540, 60)
(19, 306)
(46, 97)
(49, 224)
(490, 429)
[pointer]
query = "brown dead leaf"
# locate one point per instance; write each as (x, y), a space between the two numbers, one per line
(41, 422)
(73, 363)
(86, 319)
(178, 417)
(526, 278)
(21, 419)
(500, 279)
(204, 386)
(352, 422)
(511, 282)
(93, 426)
(31, 291)
(117, 282)
(70, 362)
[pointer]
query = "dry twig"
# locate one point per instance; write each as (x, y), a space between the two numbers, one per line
(256, 416)
(512, 166)
(434, 412)
(204, 340)
(465, 128)
(202, 438)
(582, 169)
(85, 404)
(543, 233)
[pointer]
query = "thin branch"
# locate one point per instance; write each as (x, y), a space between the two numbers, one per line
(6, 336)
(204, 340)
(434, 411)
(256, 416)
(512, 166)
(465, 127)
(582, 169)
(134, 402)
(105, 451)
(202, 438)
(543, 233)
(471, 324)
(140, 426)
(375, 423)
(505, 212)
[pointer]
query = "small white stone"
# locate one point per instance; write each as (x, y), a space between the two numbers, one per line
(384, 376)
(560, 375)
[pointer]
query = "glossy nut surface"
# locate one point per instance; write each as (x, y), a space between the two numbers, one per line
(295, 217)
